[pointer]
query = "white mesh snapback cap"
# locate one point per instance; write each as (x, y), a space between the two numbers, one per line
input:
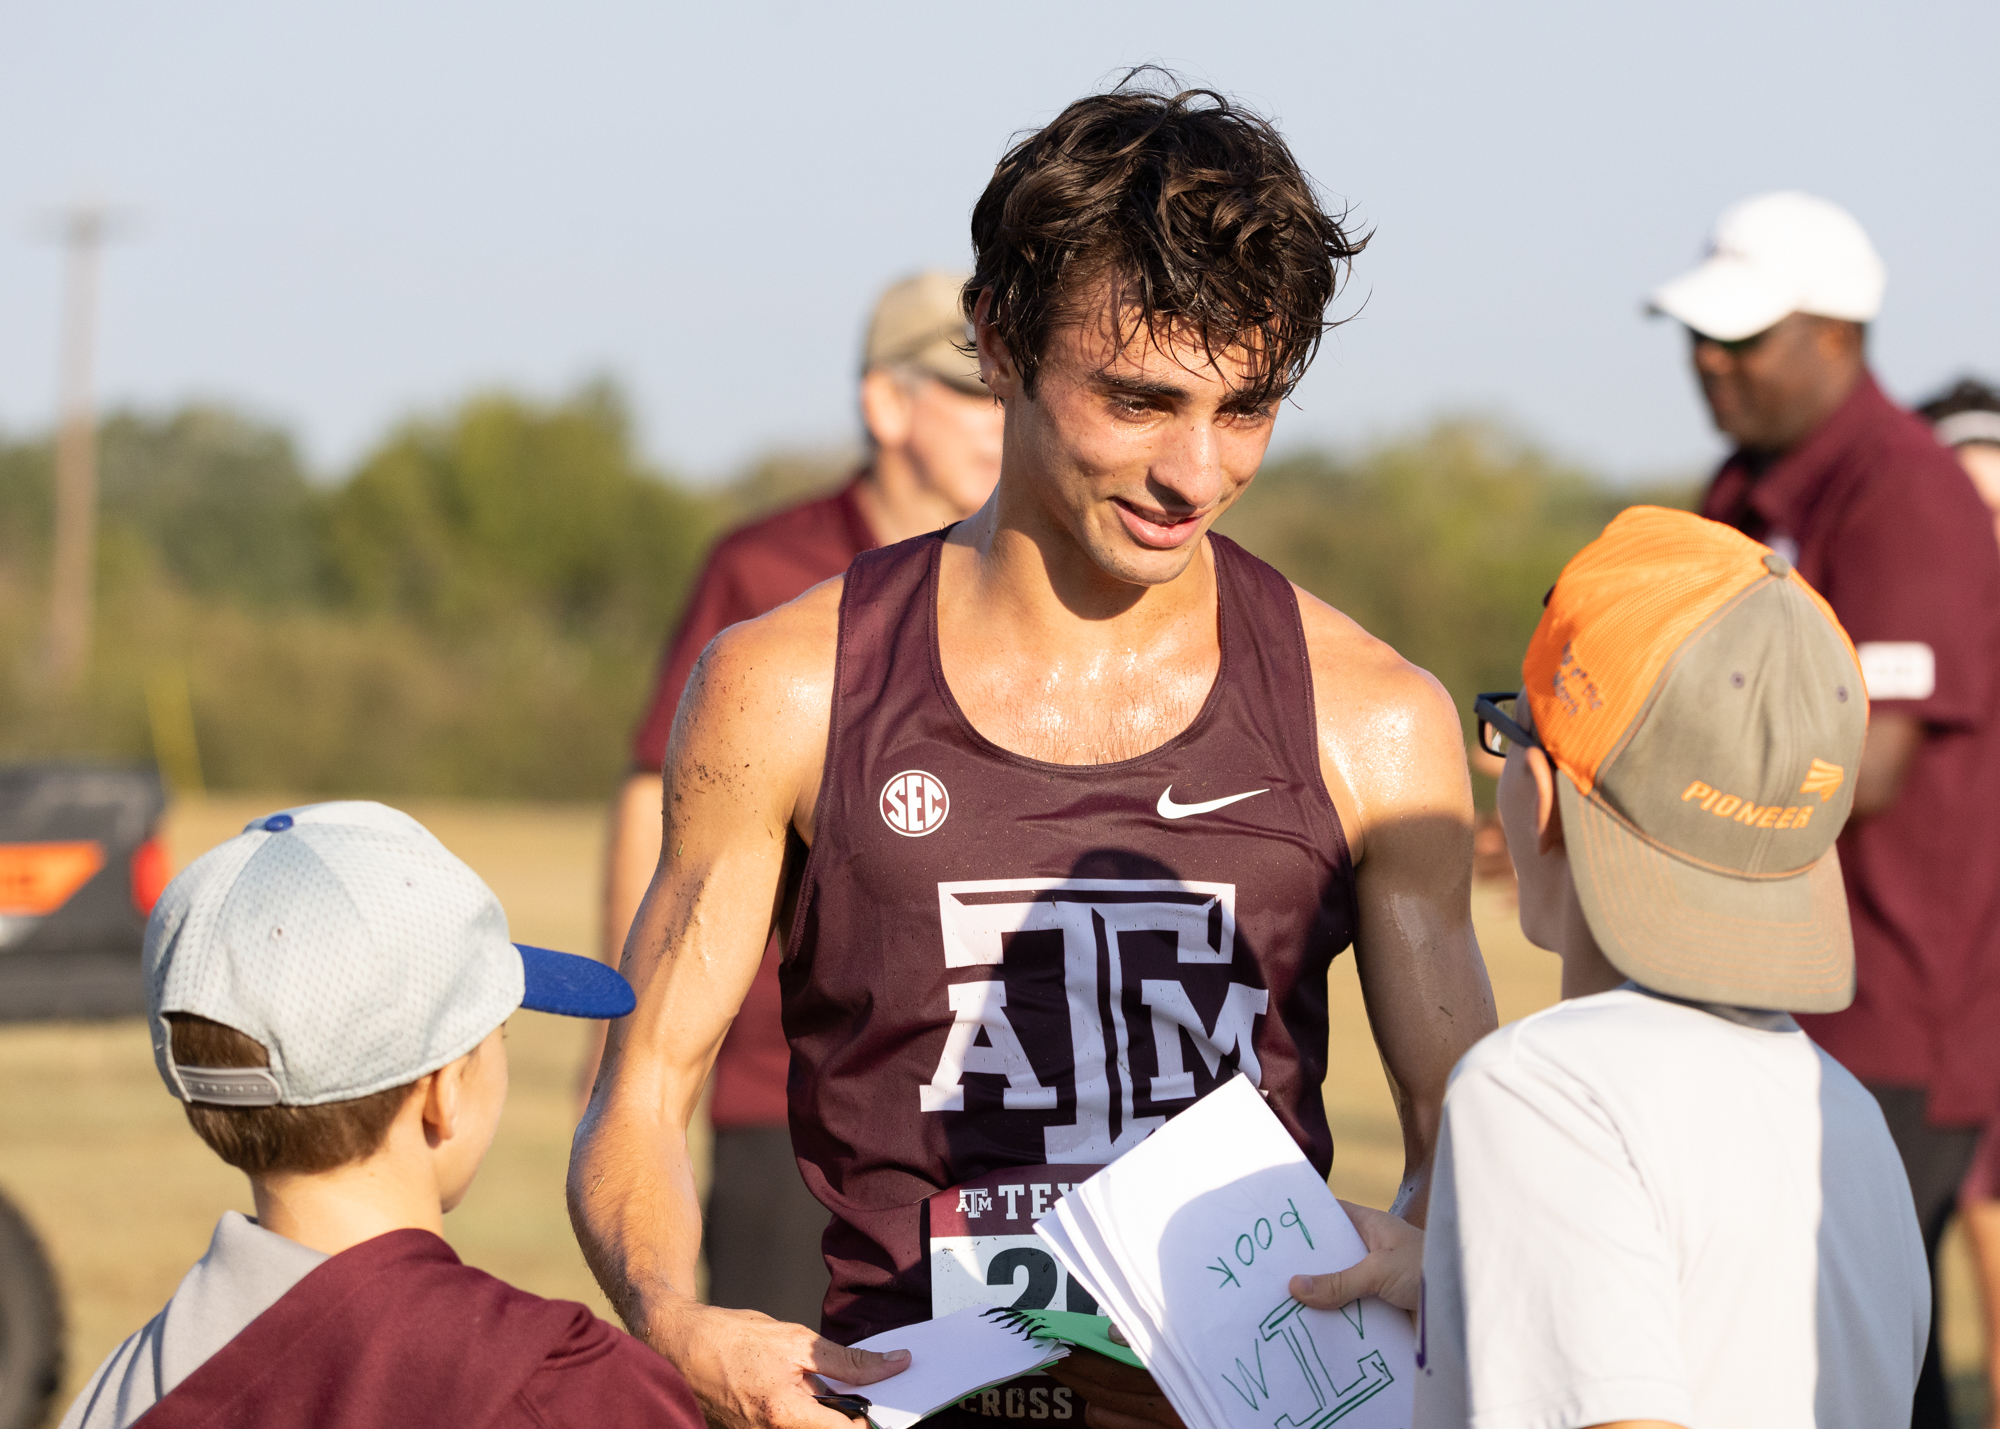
(356, 948)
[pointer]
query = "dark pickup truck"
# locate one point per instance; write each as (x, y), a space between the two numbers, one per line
(81, 865)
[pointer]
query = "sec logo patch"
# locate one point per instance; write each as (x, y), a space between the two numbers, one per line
(914, 803)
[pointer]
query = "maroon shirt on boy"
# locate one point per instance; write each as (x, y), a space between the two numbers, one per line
(753, 569)
(395, 1332)
(1885, 524)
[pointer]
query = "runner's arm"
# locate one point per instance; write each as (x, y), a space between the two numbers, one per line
(1394, 759)
(742, 768)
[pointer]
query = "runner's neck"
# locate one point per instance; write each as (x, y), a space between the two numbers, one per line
(1039, 677)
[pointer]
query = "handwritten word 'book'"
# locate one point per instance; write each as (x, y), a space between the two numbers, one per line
(1189, 1242)
(950, 1358)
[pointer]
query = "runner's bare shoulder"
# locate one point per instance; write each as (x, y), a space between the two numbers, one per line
(1389, 735)
(767, 683)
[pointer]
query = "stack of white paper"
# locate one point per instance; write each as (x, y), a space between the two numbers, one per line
(1189, 1241)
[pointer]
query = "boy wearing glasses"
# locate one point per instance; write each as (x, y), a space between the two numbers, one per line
(1659, 1203)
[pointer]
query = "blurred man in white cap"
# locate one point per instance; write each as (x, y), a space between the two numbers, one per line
(933, 455)
(1880, 519)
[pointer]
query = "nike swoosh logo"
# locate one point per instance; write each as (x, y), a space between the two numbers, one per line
(1170, 810)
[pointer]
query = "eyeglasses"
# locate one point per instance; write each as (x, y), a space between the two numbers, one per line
(1497, 729)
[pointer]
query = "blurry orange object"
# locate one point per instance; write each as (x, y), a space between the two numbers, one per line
(37, 879)
(149, 874)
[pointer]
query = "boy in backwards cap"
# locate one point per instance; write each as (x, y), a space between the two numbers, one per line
(1659, 1202)
(326, 993)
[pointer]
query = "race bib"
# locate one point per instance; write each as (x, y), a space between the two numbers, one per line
(982, 1244)
(983, 1250)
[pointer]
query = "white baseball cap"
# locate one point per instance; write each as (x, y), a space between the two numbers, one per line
(1774, 255)
(355, 948)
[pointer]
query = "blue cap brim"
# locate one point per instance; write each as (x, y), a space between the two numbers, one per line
(570, 986)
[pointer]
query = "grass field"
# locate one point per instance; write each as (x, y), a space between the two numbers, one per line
(101, 1160)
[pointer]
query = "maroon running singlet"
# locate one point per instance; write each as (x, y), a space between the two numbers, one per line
(1000, 963)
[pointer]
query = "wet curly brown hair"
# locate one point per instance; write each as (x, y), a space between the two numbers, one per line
(1191, 203)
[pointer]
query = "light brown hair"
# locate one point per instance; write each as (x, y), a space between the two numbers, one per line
(263, 1140)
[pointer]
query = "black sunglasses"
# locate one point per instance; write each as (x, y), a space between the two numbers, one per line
(1497, 729)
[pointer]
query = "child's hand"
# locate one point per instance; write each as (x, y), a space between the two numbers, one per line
(1393, 1268)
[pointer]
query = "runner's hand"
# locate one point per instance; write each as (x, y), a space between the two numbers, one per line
(1115, 1395)
(1393, 1269)
(749, 1371)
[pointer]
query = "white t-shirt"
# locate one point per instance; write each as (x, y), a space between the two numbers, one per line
(1646, 1209)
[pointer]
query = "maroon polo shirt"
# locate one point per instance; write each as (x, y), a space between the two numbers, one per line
(1887, 526)
(753, 569)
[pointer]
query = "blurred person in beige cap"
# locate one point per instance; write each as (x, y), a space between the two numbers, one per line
(1879, 518)
(933, 454)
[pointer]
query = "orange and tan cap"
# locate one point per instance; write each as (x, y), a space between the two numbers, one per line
(1706, 713)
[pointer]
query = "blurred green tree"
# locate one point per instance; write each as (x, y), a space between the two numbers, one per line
(474, 611)
(215, 500)
(508, 506)
(221, 500)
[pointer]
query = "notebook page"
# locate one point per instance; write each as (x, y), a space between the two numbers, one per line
(1073, 1239)
(1208, 1220)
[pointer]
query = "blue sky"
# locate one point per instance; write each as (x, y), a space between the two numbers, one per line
(351, 213)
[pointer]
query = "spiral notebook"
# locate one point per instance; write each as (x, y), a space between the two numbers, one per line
(950, 1357)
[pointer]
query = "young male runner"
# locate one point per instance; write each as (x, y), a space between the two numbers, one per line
(1066, 810)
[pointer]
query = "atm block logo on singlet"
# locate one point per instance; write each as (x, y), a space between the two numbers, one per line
(1108, 999)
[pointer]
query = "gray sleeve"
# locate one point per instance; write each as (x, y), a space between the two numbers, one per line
(125, 1386)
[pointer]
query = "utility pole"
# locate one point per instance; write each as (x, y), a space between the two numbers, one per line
(82, 229)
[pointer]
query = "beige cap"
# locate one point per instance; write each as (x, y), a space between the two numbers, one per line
(1706, 713)
(919, 323)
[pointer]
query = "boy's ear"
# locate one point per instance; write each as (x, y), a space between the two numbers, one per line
(1548, 813)
(439, 1093)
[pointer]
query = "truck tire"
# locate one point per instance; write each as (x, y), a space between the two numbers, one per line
(31, 1325)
